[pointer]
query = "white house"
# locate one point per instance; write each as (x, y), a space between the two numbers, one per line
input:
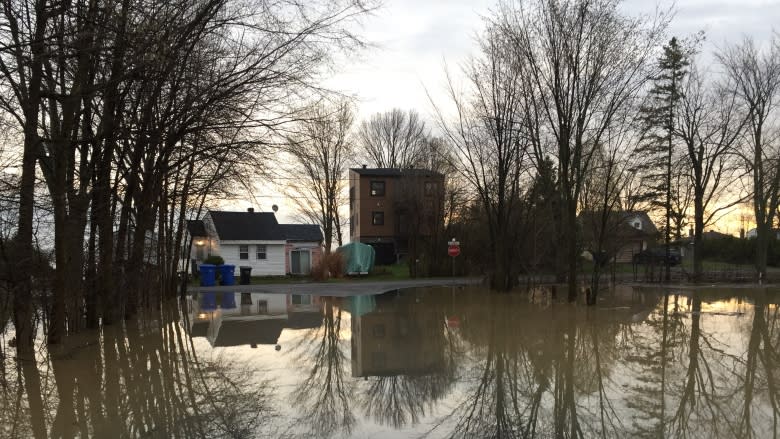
(753, 233)
(233, 319)
(257, 240)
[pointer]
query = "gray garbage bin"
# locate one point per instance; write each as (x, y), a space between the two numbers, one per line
(246, 275)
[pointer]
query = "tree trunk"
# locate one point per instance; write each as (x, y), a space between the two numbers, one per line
(762, 248)
(22, 279)
(698, 234)
(572, 257)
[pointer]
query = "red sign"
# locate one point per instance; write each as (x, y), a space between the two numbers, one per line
(453, 250)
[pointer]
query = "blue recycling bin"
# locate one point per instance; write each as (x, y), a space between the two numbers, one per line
(208, 275)
(208, 301)
(228, 300)
(226, 272)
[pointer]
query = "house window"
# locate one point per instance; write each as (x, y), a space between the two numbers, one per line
(378, 331)
(301, 299)
(261, 254)
(378, 218)
(377, 188)
(429, 188)
(243, 252)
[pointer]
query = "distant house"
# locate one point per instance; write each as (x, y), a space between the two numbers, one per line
(626, 233)
(389, 208)
(714, 234)
(753, 233)
(257, 240)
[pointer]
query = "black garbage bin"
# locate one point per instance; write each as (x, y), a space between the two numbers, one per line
(246, 275)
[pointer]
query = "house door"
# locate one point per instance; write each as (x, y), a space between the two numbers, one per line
(300, 261)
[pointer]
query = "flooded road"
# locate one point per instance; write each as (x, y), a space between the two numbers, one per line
(432, 362)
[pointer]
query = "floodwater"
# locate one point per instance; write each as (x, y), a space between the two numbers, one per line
(435, 362)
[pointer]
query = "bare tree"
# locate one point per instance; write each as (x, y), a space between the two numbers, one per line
(583, 62)
(490, 149)
(709, 124)
(603, 201)
(755, 76)
(133, 111)
(321, 151)
(394, 139)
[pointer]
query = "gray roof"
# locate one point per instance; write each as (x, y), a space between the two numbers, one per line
(304, 319)
(251, 332)
(196, 228)
(648, 225)
(301, 232)
(249, 226)
(261, 226)
(395, 172)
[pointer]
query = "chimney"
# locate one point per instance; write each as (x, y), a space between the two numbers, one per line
(364, 166)
(251, 210)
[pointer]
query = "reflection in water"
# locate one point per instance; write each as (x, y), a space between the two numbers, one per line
(323, 397)
(680, 371)
(424, 362)
(400, 349)
(140, 380)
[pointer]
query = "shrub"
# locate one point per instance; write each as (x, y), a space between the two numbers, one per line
(214, 260)
(330, 265)
(733, 250)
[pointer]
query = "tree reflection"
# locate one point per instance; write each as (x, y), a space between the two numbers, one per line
(401, 400)
(760, 382)
(323, 397)
(538, 372)
(138, 380)
(697, 364)
(492, 407)
(405, 353)
(654, 353)
(696, 383)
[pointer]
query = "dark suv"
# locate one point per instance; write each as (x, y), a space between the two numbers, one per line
(657, 256)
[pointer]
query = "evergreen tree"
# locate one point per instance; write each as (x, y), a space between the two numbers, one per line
(658, 119)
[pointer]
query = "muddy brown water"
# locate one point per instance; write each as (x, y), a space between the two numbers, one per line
(427, 362)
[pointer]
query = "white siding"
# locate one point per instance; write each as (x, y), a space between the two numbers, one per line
(273, 265)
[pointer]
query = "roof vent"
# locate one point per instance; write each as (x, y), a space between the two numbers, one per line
(251, 210)
(364, 166)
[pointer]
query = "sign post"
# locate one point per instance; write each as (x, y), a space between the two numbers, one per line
(453, 250)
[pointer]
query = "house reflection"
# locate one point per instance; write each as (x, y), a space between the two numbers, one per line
(234, 319)
(395, 334)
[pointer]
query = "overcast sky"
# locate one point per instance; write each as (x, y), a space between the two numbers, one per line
(415, 37)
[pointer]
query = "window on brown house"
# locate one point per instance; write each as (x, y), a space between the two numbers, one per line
(429, 188)
(377, 188)
(378, 218)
